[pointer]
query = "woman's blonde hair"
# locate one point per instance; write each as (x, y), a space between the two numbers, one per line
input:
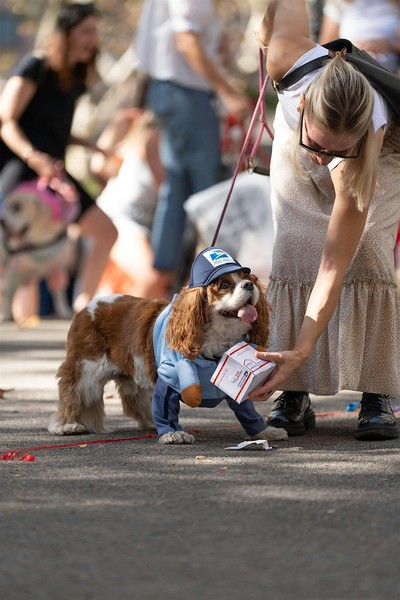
(341, 100)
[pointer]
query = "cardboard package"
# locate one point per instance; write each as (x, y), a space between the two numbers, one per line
(239, 372)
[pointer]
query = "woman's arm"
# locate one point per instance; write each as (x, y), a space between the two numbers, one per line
(346, 226)
(284, 35)
(17, 94)
(152, 155)
(105, 161)
(344, 232)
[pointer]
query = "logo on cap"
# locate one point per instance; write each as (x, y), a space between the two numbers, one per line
(218, 257)
(210, 264)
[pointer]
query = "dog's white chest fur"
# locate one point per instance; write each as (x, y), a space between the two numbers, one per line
(220, 335)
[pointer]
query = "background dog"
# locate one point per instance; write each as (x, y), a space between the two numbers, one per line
(112, 339)
(35, 244)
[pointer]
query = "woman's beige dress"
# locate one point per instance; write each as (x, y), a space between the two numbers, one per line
(360, 349)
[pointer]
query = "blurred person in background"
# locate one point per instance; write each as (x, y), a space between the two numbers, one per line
(36, 111)
(130, 163)
(372, 25)
(178, 44)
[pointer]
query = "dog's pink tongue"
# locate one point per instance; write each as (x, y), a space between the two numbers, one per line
(248, 313)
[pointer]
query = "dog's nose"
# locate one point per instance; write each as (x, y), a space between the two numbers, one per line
(248, 286)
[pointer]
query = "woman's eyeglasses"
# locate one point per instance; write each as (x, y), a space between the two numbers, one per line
(336, 154)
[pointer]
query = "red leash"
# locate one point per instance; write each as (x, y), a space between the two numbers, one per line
(15, 454)
(251, 166)
(262, 79)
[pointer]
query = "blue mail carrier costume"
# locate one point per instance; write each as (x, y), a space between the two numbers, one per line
(176, 372)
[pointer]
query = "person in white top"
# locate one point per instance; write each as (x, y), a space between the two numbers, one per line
(177, 44)
(335, 192)
(128, 159)
(372, 25)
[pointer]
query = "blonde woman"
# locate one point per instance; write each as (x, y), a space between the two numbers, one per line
(335, 176)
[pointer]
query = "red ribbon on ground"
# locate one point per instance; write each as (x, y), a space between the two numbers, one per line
(16, 456)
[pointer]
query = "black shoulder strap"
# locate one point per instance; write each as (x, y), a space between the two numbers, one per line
(384, 81)
(295, 76)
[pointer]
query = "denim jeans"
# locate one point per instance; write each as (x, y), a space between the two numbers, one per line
(190, 154)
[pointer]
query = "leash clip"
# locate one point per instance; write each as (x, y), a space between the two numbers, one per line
(250, 165)
(253, 168)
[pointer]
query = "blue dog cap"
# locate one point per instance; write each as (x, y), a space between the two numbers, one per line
(210, 264)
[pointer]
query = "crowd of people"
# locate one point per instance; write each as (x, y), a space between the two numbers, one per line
(335, 172)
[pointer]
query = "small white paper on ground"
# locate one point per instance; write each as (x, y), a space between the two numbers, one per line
(251, 445)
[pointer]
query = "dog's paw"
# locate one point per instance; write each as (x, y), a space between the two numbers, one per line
(57, 428)
(176, 437)
(270, 433)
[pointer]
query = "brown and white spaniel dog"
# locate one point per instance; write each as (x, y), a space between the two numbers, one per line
(112, 339)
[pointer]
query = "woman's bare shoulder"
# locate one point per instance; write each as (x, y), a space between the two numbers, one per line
(282, 55)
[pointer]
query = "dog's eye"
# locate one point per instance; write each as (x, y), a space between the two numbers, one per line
(225, 285)
(16, 207)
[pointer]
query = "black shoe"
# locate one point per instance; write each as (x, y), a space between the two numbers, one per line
(293, 412)
(376, 420)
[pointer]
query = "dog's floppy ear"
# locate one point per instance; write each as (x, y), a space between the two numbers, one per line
(259, 332)
(185, 328)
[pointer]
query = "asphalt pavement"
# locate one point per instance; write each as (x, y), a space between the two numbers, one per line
(118, 516)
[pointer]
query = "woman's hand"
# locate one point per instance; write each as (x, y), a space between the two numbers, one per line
(46, 166)
(63, 187)
(235, 102)
(286, 363)
(51, 174)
